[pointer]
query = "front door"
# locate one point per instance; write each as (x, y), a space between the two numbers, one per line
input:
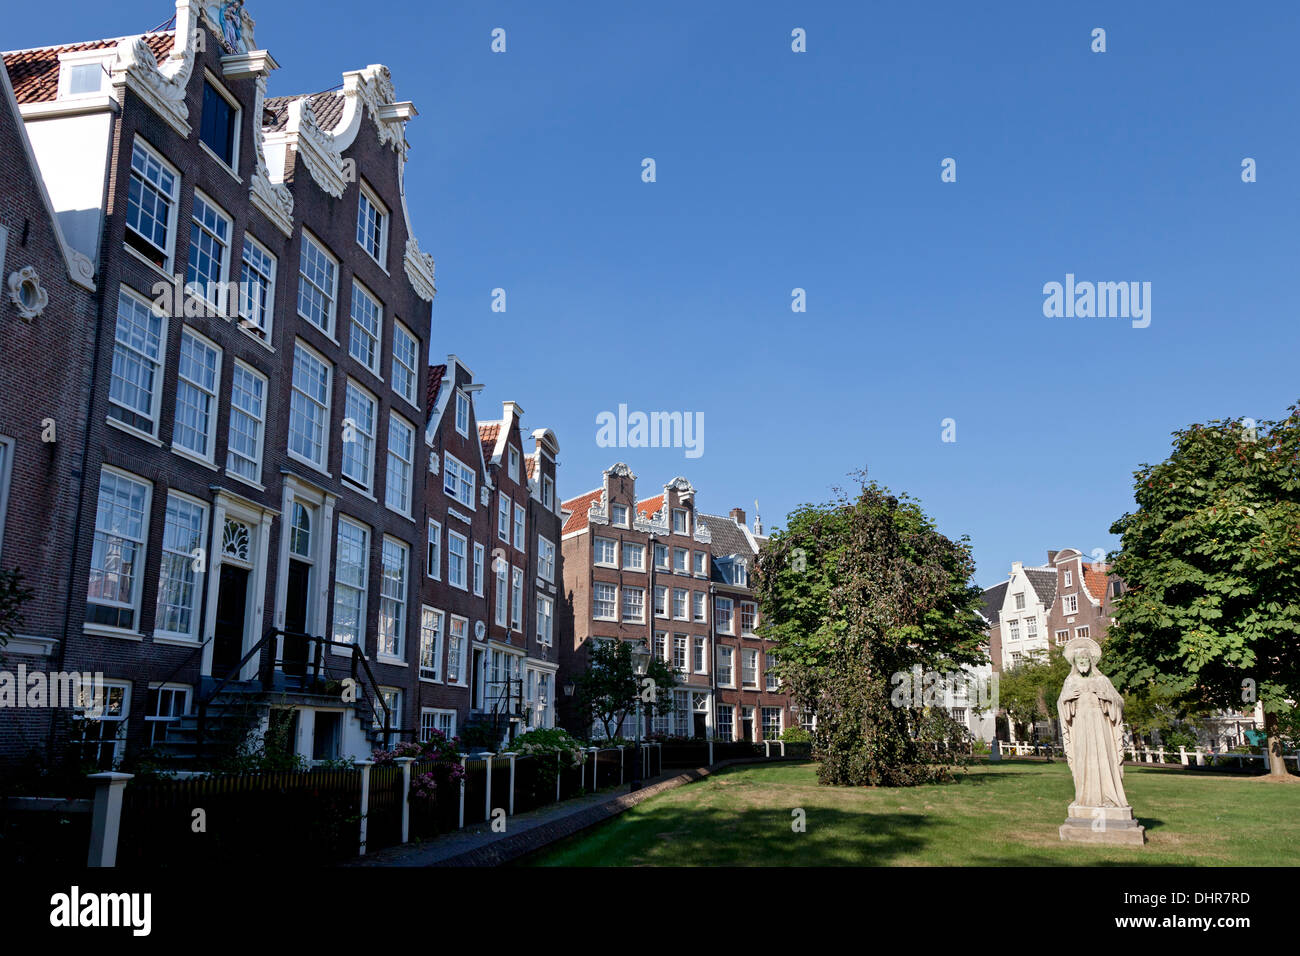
(701, 728)
(295, 647)
(747, 725)
(228, 636)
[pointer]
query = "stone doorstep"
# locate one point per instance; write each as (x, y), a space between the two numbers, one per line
(1117, 826)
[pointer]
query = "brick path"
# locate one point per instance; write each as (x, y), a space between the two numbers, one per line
(525, 833)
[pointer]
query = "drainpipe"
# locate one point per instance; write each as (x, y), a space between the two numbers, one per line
(713, 655)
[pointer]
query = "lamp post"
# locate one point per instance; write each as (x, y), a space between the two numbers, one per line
(640, 663)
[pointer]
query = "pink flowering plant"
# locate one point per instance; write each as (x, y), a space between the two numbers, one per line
(442, 751)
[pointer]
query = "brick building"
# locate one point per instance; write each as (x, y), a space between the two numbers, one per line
(47, 321)
(658, 571)
(249, 495)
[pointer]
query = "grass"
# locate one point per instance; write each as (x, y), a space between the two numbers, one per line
(996, 815)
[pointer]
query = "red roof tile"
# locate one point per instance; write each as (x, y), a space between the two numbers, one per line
(530, 466)
(1095, 578)
(579, 506)
(650, 506)
(487, 434)
(436, 372)
(35, 73)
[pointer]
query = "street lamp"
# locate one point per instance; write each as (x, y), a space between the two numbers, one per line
(640, 663)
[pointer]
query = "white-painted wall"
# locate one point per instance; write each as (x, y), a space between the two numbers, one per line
(72, 152)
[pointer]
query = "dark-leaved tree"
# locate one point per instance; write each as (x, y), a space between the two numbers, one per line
(608, 690)
(854, 592)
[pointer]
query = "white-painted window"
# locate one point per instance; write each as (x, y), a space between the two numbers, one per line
(520, 537)
(503, 516)
(618, 515)
(771, 717)
(401, 464)
(168, 703)
(184, 526)
(405, 362)
(722, 615)
(1013, 627)
(1069, 578)
(680, 610)
(433, 554)
(513, 464)
(680, 524)
(679, 651)
(661, 557)
(502, 572)
(604, 602)
(606, 552)
(701, 607)
(432, 718)
(457, 641)
(318, 279)
(1071, 602)
(134, 389)
(392, 599)
(479, 556)
(773, 683)
(1081, 632)
(462, 413)
(548, 493)
(431, 623)
(1020, 600)
(247, 421)
(197, 373)
(351, 576)
(681, 557)
(698, 656)
(633, 605)
(749, 667)
(633, 556)
(367, 328)
(701, 566)
(309, 406)
(457, 559)
(516, 599)
(748, 617)
(151, 205)
(100, 724)
(117, 553)
(372, 224)
(257, 289)
(361, 409)
(458, 480)
(545, 620)
(219, 123)
(726, 729)
(209, 259)
(661, 601)
(545, 559)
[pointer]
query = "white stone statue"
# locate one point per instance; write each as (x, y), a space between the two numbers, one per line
(1091, 713)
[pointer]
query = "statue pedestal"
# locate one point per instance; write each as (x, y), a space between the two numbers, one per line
(1102, 825)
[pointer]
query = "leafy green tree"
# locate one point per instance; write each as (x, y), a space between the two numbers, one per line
(1211, 557)
(855, 591)
(1027, 691)
(607, 691)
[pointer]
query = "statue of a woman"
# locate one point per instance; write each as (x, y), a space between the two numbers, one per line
(1092, 714)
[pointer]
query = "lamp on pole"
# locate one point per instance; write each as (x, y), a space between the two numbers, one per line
(640, 663)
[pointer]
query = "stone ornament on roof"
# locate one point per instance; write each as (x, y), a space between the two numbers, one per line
(419, 270)
(620, 470)
(161, 86)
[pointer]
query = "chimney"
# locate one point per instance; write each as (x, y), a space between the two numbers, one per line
(1051, 556)
(738, 516)
(1017, 567)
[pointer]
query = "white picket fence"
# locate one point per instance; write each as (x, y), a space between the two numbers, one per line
(1198, 756)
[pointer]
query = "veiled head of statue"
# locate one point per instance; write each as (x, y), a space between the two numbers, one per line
(1080, 648)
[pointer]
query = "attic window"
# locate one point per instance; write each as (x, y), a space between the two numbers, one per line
(84, 78)
(81, 74)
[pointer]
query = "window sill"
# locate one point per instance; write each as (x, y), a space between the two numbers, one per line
(159, 638)
(348, 484)
(99, 630)
(123, 426)
(221, 162)
(170, 279)
(242, 480)
(401, 514)
(190, 456)
(264, 341)
(310, 464)
(340, 652)
(311, 324)
(430, 680)
(390, 661)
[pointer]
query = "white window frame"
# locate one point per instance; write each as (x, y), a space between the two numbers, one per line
(618, 515)
(456, 655)
(243, 368)
(748, 665)
(187, 559)
(390, 602)
(684, 527)
(260, 330)
(546, 559)
(203, 293)
(461, 581)
(359, 335)
(685, 604)
(323, 409)
(462, 479)
(480, 558)
(366, 195)
(1070, 603)
(158, 365)
(237, 123)
(501, 591)
(700, 607)
(684, 565)
(636, 553)
(140, 556)
(513, 463)
(596, 600)
(724, 616)
(400, 370)
(598, 545)
(752, 609)
(367, 447)
(700, 563)
(633, 613)
(169, 249)
(362, 589)
(521, 528)
(432, 625)
(516, 599)
(503, 517)
(405, 467)
(330, 295)
(462, 405)
(545, 620)
(661, 606)
(213, 395)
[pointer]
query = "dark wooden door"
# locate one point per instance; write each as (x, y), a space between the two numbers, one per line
(228, 636)
(295, 647)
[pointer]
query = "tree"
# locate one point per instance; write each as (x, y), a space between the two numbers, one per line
(12, 598)
(607, 691)
(857, 592)
(1027, 691)
(1211, 557)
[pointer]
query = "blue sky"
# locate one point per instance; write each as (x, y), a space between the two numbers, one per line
(821, 171)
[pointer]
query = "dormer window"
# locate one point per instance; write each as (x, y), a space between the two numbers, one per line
(82, 75)
(514, 465)
(680, 524)
(1069, 578)
(372, 224)
(618, 515)
(740, 574)
(462, 414)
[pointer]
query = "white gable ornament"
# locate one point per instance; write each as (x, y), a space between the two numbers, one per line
(26, 292)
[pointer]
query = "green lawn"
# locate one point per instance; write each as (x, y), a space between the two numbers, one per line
(997, 814)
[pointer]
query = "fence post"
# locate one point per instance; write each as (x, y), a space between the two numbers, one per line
(559, 772)
(365, 766)
(460, 821)
(1182, 754)
(781, 743)
(487, 790)
(710, 751)
(595, 768)
(620, 765)
(405, 763)
(106, 817)
(510, 811)
(767, 749)
(1200, 756)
